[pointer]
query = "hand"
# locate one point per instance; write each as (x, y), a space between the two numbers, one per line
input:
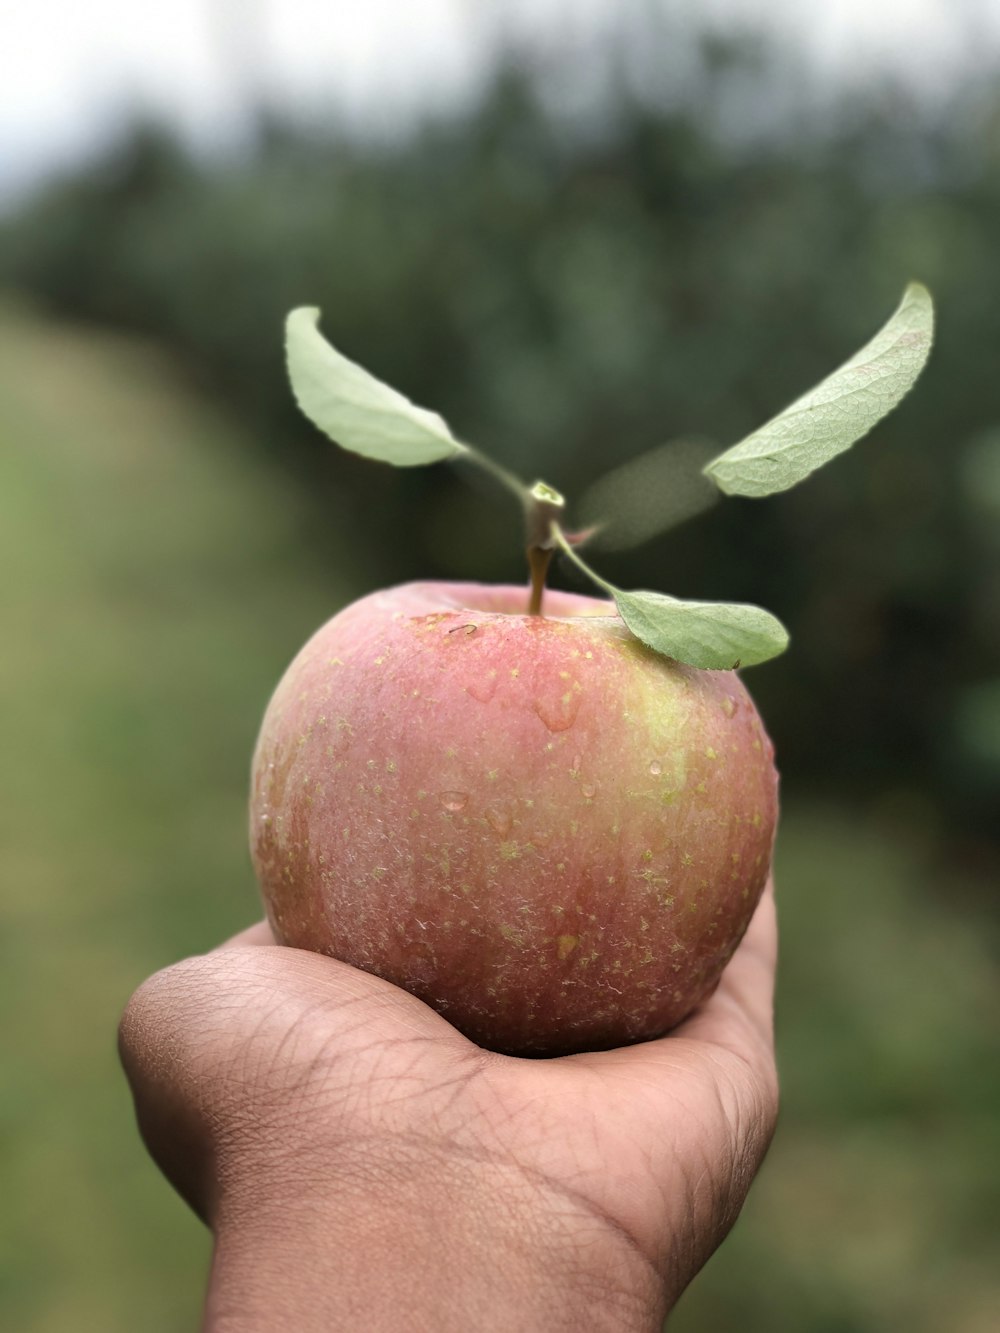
(364, 1166)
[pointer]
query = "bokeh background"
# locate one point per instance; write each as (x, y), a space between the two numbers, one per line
(577, 231)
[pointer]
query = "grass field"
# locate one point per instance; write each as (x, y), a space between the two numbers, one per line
(152, 594)
(153, 589)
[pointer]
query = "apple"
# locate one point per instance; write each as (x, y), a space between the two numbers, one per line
(550, 833)
(549, 816)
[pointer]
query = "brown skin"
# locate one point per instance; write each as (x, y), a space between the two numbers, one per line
(364, 1166)
(551, 834)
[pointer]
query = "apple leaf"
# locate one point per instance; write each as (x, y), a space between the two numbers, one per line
(837, 412)
(649, 494)
(356, 410)
(717, 636)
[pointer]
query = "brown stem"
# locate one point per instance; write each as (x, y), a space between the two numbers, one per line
(538, 562)
(543, 506)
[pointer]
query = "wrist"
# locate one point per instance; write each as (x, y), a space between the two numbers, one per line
(418, 1239)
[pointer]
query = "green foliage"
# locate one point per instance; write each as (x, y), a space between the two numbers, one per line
(155, 589)
(369, 418)
(356, 410)
(828, 419)
(568, 297)
(585, 291)
(719, 636)
(158, 587)
(578, 296)
(876, 1210)
(715, 636)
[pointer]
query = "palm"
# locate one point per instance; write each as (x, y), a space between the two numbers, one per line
(656, 1139)
(643, 1134)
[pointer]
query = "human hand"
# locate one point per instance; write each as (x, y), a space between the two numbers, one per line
(365, 1166)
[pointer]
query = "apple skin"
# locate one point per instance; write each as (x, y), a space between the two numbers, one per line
(551, 834)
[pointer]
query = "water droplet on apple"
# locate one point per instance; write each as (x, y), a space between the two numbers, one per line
(559, 711)
(499, 821)
(656, 768)
(454, 800)
(483, 687)
(588, 790)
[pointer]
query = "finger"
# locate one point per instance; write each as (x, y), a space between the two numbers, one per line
(166, 1042)
(299, 971)
(259, 933)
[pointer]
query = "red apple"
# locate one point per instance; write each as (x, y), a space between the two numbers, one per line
(551, 834)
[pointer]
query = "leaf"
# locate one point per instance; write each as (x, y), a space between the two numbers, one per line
(356, 410)
(716, 636)
(649, 494)
(836, 413)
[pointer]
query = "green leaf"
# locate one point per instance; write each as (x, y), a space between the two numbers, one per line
(717, 636)
(836, 413)
(356, 410)
(649, 494)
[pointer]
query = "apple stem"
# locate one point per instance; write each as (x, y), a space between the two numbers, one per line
(542, 505)
(539, 560)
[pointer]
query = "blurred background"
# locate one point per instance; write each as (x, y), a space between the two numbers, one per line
(577, 230)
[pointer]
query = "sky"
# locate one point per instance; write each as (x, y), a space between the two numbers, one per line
(72, 71)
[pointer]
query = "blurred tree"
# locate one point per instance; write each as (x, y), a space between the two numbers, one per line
(572, 291)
